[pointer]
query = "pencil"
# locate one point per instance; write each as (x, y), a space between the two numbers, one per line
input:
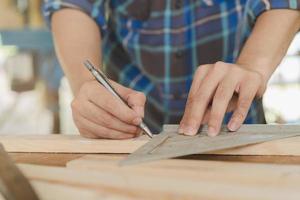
(103, 80)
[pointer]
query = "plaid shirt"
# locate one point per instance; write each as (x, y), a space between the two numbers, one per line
(154, 46)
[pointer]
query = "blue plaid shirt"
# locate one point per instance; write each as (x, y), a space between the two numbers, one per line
(154, 46)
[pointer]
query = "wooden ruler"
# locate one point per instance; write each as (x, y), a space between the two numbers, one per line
(169, 144)
(13, 184)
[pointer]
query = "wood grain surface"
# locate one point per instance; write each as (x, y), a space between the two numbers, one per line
(174, 179)
(78, 144)
(68, 144)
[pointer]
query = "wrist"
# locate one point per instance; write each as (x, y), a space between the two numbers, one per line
(264, 73)
(263, 67)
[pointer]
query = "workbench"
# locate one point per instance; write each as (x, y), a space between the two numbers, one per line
(268, 170)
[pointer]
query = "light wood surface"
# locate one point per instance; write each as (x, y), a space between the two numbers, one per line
(68, 144)
(49, 159)
(173, 179)
(267, 173)
(77, 144)
(61, 159)
(57, 191)
(89, 170)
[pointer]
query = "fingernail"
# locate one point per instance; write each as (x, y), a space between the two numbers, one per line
(137, 121)
(212, 131)
(180, 130)
(189, 131)
(233, 126)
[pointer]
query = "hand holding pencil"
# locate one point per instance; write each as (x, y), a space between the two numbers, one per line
(99, 114)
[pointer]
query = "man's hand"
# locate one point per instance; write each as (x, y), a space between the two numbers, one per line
(218, 88)
(99, 114)
(232, 87)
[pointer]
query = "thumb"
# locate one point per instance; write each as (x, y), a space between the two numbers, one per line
(136, 100)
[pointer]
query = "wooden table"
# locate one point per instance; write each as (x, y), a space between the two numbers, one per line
(72, 167)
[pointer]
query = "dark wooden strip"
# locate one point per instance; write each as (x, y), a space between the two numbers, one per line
(13, 184)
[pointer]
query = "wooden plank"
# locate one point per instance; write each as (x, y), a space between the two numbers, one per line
(182, 180)
(56, 191)
(181, 168)
(49, 159)
(287, 160)
(68, 144)
(77, 144)
(240, 173)
(170, 144)
(61, 159)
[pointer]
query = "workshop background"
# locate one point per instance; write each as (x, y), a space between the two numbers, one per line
(35, 97)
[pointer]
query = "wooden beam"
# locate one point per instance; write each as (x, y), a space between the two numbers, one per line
(56, 191)
(68, 144)
(173, 179)
(181, 168)
(61, 159)
(49, 159)
(78, 144)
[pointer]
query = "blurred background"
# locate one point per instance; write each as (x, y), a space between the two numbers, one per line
(35, 97)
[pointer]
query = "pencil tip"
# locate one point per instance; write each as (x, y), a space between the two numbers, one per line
(147, 130)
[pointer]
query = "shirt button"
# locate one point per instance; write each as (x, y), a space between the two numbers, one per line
(178, 4)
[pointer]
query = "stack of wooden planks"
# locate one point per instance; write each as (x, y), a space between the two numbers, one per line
(94, 173)
(100, 177)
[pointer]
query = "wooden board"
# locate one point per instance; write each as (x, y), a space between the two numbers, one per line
(173, 179)
(61, 159)
(170, 144)
(77, 144)
(49, 159)
(68, 144)
(56, 191)
(186, 169)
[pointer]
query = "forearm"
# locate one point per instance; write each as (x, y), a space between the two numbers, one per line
(269, 41)
(77, 38)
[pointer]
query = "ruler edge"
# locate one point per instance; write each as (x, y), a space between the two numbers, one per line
(171, 128)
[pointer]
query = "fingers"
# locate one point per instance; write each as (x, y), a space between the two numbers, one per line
(98, 95)
(93, 130)
(206, 117)
(97, 113)
(219, 84)
(99, 116)
(136, 100)
(197, 103)
(200, 74)
(220, 103)
(246, 96)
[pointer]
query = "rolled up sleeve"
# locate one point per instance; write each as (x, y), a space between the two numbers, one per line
(257, 7)
(93, 8)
